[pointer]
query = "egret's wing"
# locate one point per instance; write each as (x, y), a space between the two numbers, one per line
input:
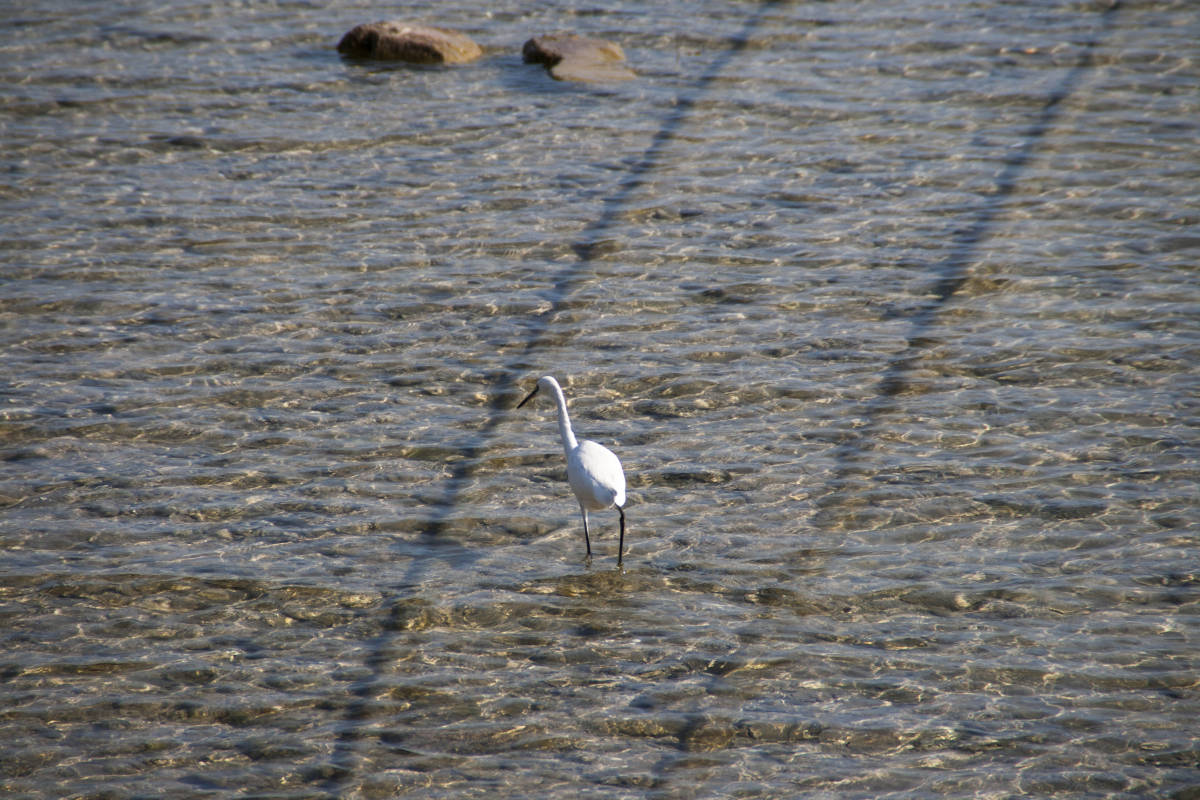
(596, 476)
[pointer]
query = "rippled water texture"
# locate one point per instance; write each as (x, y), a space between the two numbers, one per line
(891, 310)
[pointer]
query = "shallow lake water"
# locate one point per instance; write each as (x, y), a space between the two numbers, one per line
(890, 309)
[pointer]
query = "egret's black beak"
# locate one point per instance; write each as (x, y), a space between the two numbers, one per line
(528, 397)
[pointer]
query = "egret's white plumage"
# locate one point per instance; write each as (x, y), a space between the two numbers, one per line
(593, 470)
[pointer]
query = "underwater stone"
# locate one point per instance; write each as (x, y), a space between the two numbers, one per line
(571, 57)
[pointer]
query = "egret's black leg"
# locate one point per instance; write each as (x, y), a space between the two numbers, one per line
(587, 542)
(621, 545)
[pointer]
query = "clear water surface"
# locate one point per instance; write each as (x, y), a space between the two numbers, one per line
(891, 310)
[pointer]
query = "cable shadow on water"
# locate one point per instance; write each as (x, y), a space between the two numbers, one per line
(343, 760)
(588, 247)
(953, 273)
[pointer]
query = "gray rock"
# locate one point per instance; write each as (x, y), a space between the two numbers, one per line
(407, 41)
(571, 57)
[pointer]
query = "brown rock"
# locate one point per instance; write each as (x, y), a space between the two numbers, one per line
(571, 57)
(406, 41)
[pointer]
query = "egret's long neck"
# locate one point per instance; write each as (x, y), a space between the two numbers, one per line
(564, 423)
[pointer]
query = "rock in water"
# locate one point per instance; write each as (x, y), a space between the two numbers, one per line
(406, 41)
(571, 57)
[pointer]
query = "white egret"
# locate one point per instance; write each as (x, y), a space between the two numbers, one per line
(593, 470)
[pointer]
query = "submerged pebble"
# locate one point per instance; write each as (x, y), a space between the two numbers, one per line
(571, 57)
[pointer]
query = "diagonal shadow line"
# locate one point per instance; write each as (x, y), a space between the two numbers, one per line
(343, 759)
(587, 246)
(588, 249)
(954, 271)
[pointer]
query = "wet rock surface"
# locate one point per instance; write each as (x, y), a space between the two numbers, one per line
(411, 42)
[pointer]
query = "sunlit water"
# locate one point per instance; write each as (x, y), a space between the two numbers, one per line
(891, 311)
